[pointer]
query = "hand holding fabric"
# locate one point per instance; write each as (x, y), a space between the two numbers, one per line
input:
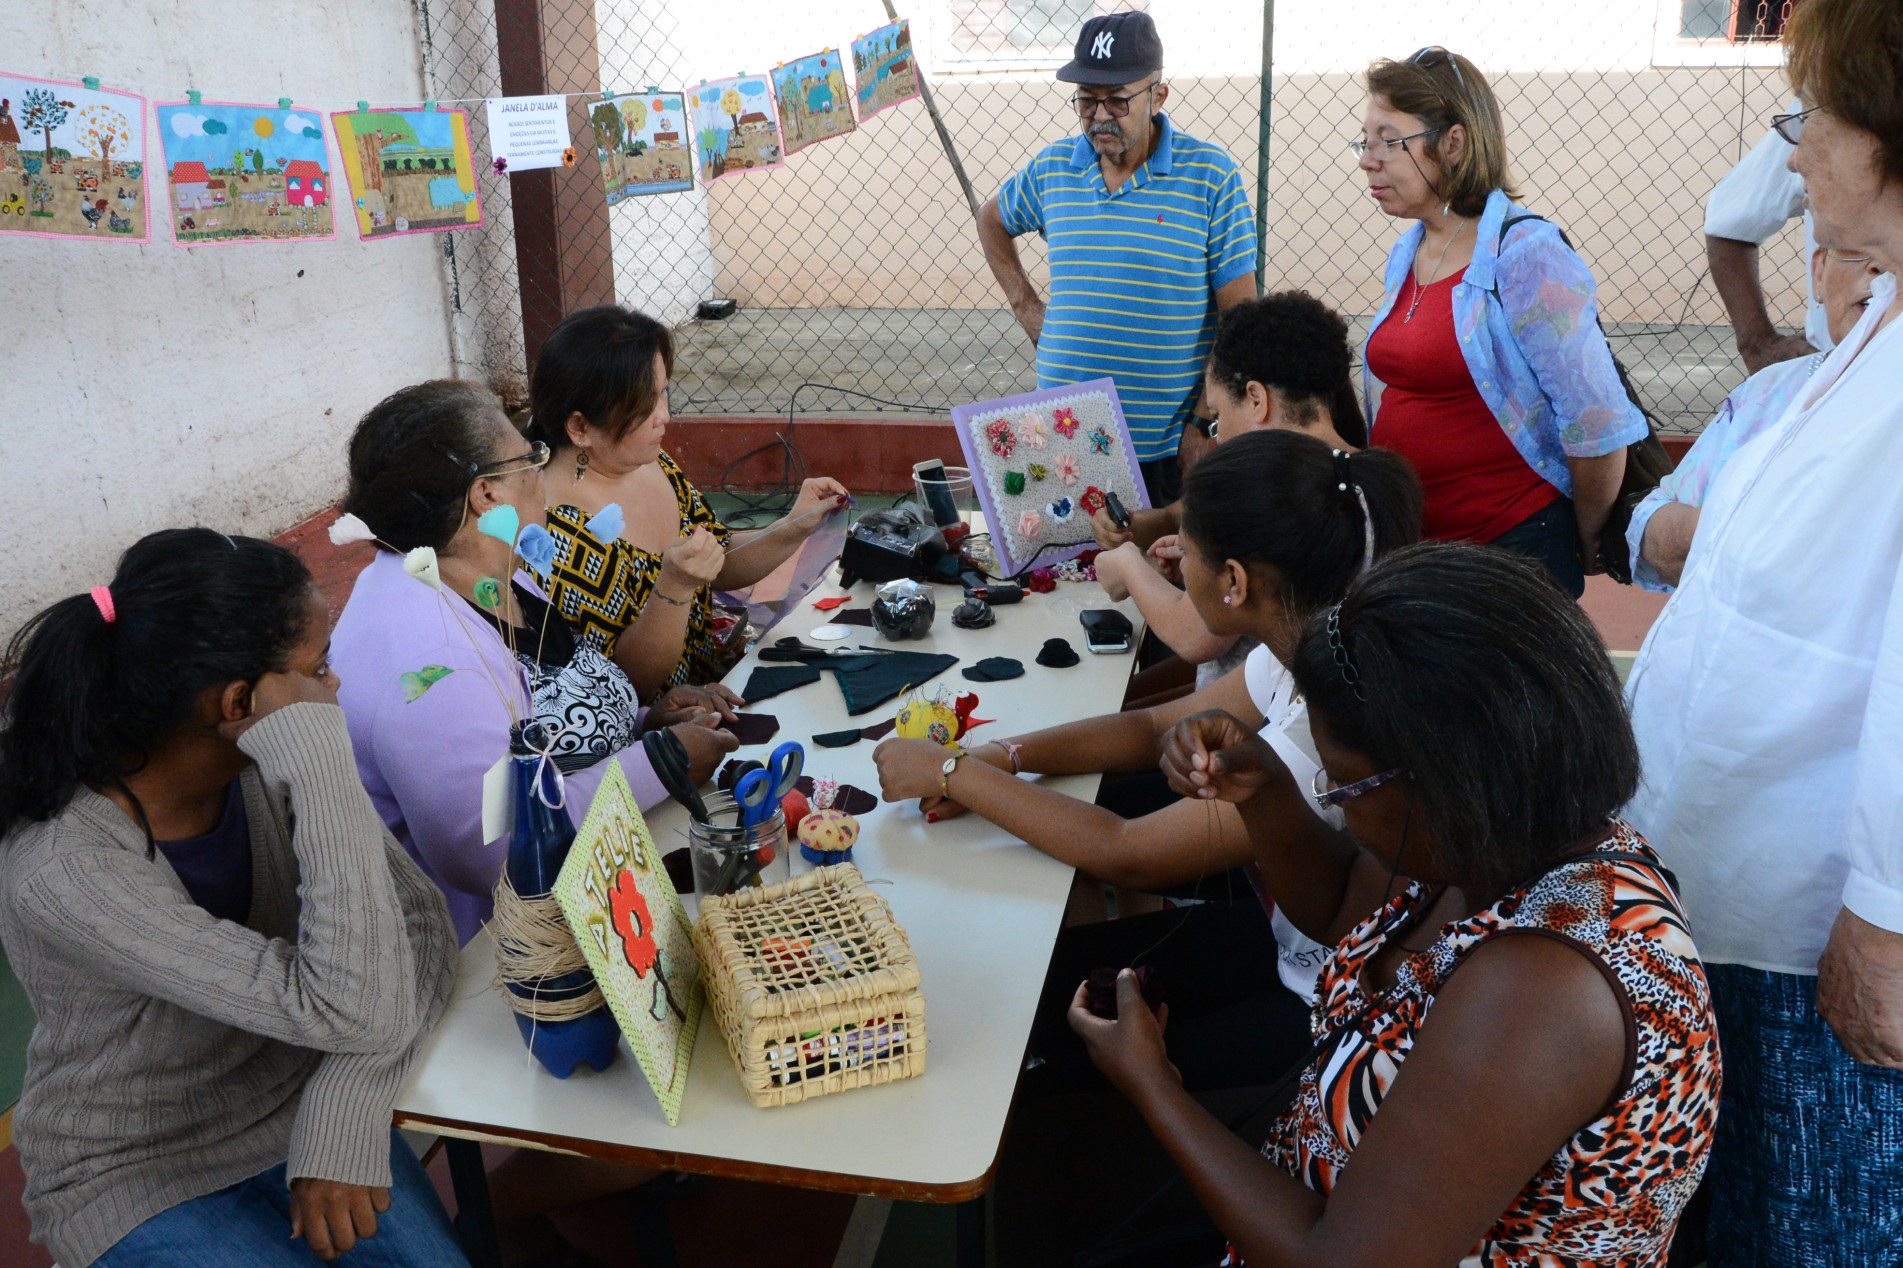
(1129, 1050)
(1212, 756)
(705, 743)
(684, 703)
(1860, 989)
(814, 494)
(693, 561)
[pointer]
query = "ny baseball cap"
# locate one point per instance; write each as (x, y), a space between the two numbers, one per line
(1118, 48)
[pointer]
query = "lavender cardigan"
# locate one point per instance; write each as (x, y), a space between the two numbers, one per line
(424, 738)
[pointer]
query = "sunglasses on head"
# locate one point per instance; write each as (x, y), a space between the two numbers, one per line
(1434, 55)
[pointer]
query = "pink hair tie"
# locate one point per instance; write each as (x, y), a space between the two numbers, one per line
(102, 599)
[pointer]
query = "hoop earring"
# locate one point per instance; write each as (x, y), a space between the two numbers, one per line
(581, 463)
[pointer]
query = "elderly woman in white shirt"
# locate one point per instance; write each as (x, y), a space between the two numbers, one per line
(1768, 702)
(1662, 525)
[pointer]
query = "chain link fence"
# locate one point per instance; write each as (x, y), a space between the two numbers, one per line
(856, 265)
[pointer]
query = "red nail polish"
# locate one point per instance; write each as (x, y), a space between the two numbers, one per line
(932, 817)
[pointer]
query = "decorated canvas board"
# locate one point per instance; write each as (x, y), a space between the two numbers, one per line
(409, 171)
(233, 172)
(736, 128)
(884, 69)
(644, 144)
(629, 923)
(815, 104)
(1041, 464)
(72, 161)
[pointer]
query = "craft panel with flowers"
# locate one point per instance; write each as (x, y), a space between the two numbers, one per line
(1043, 462)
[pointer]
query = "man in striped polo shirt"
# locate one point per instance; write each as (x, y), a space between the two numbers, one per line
(1150, 234)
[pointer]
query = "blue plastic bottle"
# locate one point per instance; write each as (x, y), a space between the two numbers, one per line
(537, 849)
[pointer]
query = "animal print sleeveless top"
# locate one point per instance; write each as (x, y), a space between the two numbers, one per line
(1612, 1195)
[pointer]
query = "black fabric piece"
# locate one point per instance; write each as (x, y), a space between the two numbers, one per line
(838, 739)
(852, 616)
(766, 683)
(752, 728)
(974, 614)
(1057, 654)
(680, 869)
(848, 799)
(879, 730)
(878, 679)
(995, 669)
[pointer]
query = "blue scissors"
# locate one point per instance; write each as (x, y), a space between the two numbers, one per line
(759, 792)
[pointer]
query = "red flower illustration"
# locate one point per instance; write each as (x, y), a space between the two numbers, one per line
(1002, 439)
(632, 921)
(1092, 500)
(1065, 421)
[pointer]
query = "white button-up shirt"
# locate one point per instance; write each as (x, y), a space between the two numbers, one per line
(1754, 202)
(1768, 698)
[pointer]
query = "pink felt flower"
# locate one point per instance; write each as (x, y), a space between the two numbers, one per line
(1031, 431)
(999, 435)
(1092, 500)
(1065, 420)
(1028, 524)
(1066, 468)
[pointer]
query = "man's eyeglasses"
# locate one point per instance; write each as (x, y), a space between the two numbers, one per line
(536, 457)
(1328, 797)
(1434, 55)
(1791, 126)
(1392, 145)
(1118, 107)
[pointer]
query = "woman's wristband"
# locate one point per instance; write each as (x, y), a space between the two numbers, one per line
(1012, 751)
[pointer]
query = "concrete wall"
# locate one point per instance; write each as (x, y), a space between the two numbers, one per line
(150, 386)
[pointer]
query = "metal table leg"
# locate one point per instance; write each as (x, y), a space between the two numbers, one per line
(475, 1218)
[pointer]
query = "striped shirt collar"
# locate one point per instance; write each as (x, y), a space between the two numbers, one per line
(1083, 157)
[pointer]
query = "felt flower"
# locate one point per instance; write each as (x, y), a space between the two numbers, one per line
(1031, 431)
(1099, 440)
(489, 593)
(500, 522)
(537, 549)
(1014, 482)
(1028, 524)
(1065, 420)
(1092, 500)
(501, 165)
(421, 564)
(1060, 510)
(1000, 437)
(1041, 581)
(418, 681)
(1067, 468)
(607, 523)
(347, 529)
(1038, 470)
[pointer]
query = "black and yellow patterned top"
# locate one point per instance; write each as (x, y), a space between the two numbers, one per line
(601, 587)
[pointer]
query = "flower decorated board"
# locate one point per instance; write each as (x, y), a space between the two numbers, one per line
(1042, 464)
(631, 927)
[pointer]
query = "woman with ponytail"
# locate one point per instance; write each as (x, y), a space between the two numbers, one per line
(229, 959)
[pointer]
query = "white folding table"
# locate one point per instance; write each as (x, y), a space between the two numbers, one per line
(982, 909)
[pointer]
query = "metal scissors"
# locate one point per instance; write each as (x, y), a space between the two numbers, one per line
(759, 792)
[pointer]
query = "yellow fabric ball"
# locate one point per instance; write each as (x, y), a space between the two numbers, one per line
(829, 831)
(927, 720)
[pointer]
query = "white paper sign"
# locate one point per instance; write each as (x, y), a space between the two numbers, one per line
(528, 132)
(498, 806)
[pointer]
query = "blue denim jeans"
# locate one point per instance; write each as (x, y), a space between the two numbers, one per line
(249, 1225)
(1808, 1165)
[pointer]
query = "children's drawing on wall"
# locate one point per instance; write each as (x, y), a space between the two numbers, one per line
(72, 161)
(409, 170)
(735, 127)
(642, 143)
(815, 104)
(244, 173)
(884, 68)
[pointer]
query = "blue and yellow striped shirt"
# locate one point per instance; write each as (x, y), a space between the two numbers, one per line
(1133, 274)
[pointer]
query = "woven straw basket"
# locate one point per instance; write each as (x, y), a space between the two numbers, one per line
(814, 986)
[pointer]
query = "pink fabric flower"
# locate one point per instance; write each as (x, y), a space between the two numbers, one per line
(1067, 468)
(1092, 500)
(1065, 422)
(1031, 431)
(1002, 440)
(1028, 524)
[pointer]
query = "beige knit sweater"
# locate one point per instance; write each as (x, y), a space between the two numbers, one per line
(175, 1053)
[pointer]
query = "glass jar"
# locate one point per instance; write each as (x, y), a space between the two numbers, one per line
(729, 857)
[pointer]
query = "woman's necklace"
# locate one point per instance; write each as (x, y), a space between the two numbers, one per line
(1420, 288)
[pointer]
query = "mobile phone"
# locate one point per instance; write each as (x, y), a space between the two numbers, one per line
(1106, 630)
(929, 478)
(1118, 516)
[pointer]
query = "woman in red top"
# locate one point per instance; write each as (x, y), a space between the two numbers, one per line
(1529, 457)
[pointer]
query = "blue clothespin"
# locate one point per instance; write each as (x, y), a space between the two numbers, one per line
(192, 96)
(91, 82)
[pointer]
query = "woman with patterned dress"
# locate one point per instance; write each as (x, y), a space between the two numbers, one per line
(599, 401)
(1516, 1060)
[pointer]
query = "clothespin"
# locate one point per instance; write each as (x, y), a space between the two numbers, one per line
(652, 88)
(363, 107)
(284, 103)
(430, 105)
(192, 96)
(91, 82)
(607, 94)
